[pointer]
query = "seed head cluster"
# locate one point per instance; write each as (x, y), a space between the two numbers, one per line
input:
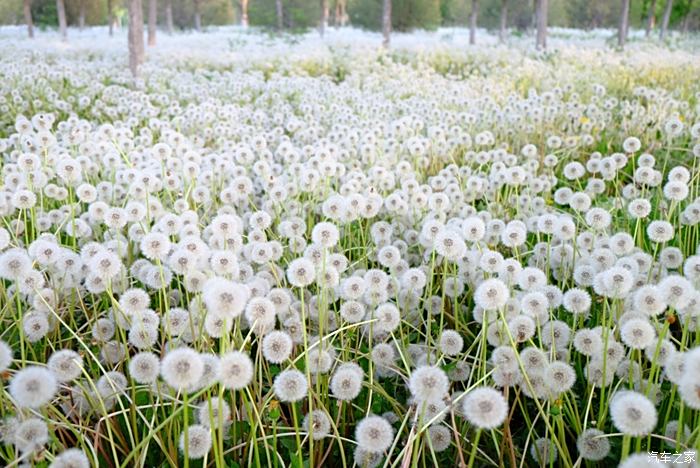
(337, 255)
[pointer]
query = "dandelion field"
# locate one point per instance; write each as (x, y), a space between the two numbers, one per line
(282, 252)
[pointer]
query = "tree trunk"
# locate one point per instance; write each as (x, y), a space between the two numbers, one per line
(504, 21)
(386, 22)
(244, 13)
(28, 17)
(152, 21)
(280, 14)
(666, 19)
(472, 21)
(650, 17)
(343, 12)
(81, 15)
(136, 48)
(197, 16)
(624, 22)
(324, 17)
(686, 19)
(110, 17)
(542, 13)
(341, 17)
(62, 25)
(169, 16)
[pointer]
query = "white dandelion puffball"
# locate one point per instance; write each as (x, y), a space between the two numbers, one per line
(235, 370)
(196, 441)
(182, 368)
(440, 438)
(632, 413)
(31, 435)
(291, 385)
(642, 460)
(451, 342)
(277, 346)
(485, 408)
(660, 231)
(638, 333)
(317, 423)
(491, 294)
(71, 458)
(6, 356)
(144, 367)
(301, 272)
(33, 387)
(428, 383)
(65, 364)
(374, 434)
(214, 412)
(593, 445)
(224, 297)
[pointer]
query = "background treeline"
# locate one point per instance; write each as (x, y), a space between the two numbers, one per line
(406, 14)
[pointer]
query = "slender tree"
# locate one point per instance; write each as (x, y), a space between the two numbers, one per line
(651, 15)
(542, 13)
(504, 21)
(81, 14)
(135, 36)
(472, 21)
(197, 16)
(386, 22)
(28, 18)
(152, 21)
(62, 23)
(340, 16)
(110, 17)
(624, 23)
(324, 17)
(244, 13)
(665, 20)
(280, 14)
(169, 16)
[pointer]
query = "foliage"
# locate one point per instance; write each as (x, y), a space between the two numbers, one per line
(406, 14)
(295, 13)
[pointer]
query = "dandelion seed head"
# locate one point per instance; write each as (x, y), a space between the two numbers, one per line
(374, 434)
(484, 407)
(71, 458)
(290, 385)
(346, 382)
(317, 423)
(428, 383)
(65, 364)
(632, 413)
(196, 441)
(31, 435)
(33, 387)
(182, 368)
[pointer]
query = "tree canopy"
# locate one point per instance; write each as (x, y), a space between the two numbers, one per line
(406, 14)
